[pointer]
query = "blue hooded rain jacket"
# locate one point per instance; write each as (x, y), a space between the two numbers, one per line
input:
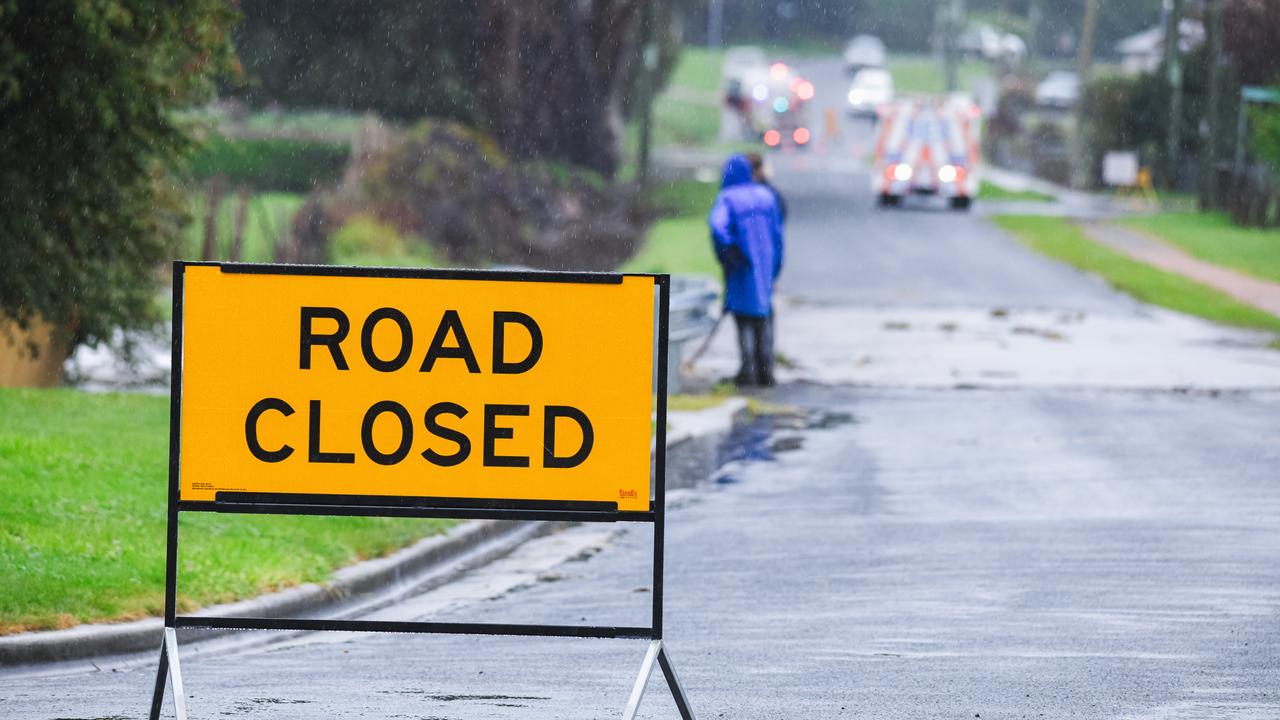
(747, 232)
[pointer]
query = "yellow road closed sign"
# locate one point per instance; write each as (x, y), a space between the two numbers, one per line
(351, 382)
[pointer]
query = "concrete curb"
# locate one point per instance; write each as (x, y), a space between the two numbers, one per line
(353, 590)
(348, 585)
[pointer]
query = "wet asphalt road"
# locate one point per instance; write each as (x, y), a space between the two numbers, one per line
(943, 555)
(925, 554)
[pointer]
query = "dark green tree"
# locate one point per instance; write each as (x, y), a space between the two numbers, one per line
(89, 138)
(546, 78)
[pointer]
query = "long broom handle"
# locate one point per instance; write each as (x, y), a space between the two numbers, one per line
(706, 343)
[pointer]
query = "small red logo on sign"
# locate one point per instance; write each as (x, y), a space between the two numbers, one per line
(626, 493)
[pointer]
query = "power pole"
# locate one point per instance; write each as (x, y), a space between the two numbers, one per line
(715, 23)
(1082, 165)
(1173, 64)
(953, 16)
(1209, 172)
(648, 86)
(1035, 15)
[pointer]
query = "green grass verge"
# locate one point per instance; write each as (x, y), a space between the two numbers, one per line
(924, 74)
(267, 220)
(676, 245)
(83, 485)
(990, 191)
(679, 243)
(1063, 240)
(679, 122)
(693, 403)
(685, 198)
(698, 69)
(1212, 238)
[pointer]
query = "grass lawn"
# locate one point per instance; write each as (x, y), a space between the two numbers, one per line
(1061, 239)
(991, 191)
(83, 484)
(337, 126)
(304, 123)
(924, 74)
(268, 217)
(1212, 238)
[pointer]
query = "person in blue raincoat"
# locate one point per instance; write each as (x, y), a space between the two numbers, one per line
(746, 230)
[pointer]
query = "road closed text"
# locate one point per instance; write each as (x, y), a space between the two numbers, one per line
(441, 429)
(334, 382)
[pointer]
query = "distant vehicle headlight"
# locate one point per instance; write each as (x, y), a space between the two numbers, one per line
(947, 173)
(760, 92)
(856, 97)
(902, 171)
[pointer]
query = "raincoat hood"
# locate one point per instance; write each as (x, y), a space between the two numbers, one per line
(737, 171)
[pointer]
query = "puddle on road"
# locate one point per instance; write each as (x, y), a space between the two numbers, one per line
(762, 438)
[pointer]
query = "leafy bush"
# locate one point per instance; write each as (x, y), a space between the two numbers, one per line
(453, 187)
(1266, 136)
(364, 240)
(282, 165)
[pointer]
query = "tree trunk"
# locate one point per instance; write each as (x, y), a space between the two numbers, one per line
(209, 248)
(237, 237)
(561, 68)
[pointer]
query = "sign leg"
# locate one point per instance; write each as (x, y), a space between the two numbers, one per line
(175, 674)
(673, 682)
(646, 669)
(162, 675)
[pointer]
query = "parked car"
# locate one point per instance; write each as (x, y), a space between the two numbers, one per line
(871, 88)
(864, 51)
(1060, 89)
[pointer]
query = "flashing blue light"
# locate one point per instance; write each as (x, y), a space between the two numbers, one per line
(781, 105)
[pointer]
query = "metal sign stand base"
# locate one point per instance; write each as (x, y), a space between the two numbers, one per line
(171, 671)
(657, 652)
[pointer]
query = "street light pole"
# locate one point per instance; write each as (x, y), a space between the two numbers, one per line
(951, 26)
